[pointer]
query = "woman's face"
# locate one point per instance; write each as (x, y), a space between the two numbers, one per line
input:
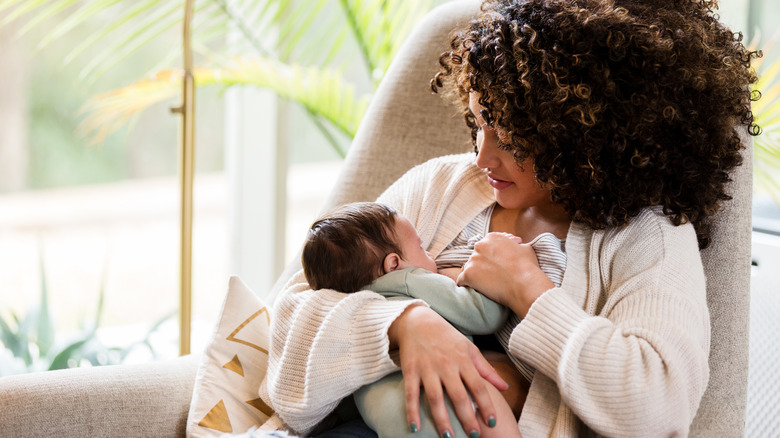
(514, 183)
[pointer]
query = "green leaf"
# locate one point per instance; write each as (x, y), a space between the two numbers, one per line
(15, 341)
(766, 111)
(74, 21)
(322, 92)
(26, 7)
(380, 27)
(133, 39)
(72, 351)
(46, 14)
(45, 329)
(101, 297)
(6, 4)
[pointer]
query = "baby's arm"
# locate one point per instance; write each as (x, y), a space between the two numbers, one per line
(468, 310)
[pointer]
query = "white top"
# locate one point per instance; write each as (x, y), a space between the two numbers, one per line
(620, 349)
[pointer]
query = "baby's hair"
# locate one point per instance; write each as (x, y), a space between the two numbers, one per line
(345, 249)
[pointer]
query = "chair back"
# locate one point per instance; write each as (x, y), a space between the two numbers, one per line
(406, 124)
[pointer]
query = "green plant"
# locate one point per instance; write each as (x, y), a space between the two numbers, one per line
(299, 49)
(31, 343)
(766, 167)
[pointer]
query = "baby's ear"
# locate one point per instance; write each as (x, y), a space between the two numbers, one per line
(392, 262)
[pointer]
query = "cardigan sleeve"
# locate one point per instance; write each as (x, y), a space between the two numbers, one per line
(639, 366)
(324, 346)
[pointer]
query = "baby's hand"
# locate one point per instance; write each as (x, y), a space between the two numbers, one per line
(511, 237)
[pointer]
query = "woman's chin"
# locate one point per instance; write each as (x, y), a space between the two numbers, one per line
(507, 202)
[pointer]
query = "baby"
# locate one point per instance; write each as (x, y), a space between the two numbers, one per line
(369, 246)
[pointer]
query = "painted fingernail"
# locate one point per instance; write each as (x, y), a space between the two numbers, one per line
(473, 434)
(446, 434)
(414, 427)
(492, 421)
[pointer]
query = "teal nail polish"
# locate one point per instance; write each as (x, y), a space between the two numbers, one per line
(414, 427)
(492, 421)
(446, 434)
(474, 434)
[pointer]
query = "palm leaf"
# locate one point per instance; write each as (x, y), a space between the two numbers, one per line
(80, 16)
(303, 29)
(321, 91)
(380, 27)
(298, 30)
(47, 13)
(766, 111)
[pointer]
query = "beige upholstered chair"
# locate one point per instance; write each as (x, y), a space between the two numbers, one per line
(405, 125)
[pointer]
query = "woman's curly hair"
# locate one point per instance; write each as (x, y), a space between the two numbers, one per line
(621, 104)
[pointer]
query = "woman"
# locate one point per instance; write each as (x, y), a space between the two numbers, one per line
(613, 126)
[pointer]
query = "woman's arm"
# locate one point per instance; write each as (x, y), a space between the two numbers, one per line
(325, 345)
(436, 356)
(638, 364)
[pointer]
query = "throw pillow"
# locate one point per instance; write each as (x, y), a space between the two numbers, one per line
(225, 398)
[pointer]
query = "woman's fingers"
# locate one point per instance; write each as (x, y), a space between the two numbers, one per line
(486, 371)
(464, 408)
(434, 392)
(447, 361)
(412, 386)
(479, 392)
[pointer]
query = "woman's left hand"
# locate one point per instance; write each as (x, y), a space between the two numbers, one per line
(505, 270)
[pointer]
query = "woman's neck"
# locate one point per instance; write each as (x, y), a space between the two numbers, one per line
(527, 223)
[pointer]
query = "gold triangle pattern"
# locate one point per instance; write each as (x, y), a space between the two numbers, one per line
(260, 405)
(217, 419)
(232, 336)
(235, 366)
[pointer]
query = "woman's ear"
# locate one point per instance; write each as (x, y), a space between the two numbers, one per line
(391, 263)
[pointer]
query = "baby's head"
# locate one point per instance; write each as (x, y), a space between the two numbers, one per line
(356, 243)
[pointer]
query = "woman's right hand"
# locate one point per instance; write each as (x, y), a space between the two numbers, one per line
(436, 356)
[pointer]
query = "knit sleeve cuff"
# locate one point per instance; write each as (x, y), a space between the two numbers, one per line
(553, 326)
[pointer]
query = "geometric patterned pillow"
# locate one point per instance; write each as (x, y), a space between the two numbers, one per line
(225, 398)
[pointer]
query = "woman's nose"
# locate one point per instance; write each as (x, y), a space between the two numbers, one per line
(486, 150)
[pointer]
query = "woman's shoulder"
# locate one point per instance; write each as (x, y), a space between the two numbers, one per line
(651, 234)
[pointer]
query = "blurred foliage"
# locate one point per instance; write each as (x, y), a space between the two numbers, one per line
(30, 343)
(766, 166)
(302, 50)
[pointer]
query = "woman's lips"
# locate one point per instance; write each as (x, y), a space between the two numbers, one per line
(498, 184)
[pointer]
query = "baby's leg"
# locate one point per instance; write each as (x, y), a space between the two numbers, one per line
(518, 386)
(383, 407)
(506, 422)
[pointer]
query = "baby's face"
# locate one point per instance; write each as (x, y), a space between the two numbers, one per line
(414, 256)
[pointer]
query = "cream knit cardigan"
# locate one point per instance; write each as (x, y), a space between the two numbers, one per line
(620, 349)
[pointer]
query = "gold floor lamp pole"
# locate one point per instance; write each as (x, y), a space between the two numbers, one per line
(186, 172)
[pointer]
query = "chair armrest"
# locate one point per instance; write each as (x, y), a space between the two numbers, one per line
(124, 400)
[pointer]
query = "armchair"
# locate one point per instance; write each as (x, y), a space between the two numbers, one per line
(409, 124)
